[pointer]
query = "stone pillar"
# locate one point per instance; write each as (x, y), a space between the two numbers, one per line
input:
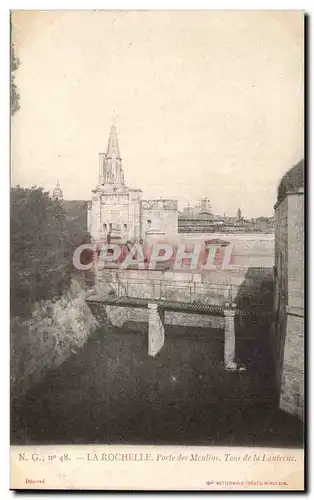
(156, 290)
(156, 329)
(96, 270)
(229, 355)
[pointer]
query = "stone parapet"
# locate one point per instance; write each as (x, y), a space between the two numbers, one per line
(159, 204)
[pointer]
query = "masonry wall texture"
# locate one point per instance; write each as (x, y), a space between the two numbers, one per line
(208, 287)
(288, 331)
(296, 249)
(115, 212)
(281, 286)
(118, 316)
(49, 337)
(159, 215)
(292, 391)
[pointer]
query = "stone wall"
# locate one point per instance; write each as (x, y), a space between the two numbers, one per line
(115, 211)
(135, 196)
(296, 250)
(281, 287)
(292, 377)
(89, 217)
(120, 208)
(95, 217)
(119, 315)
(292, 387)
(288, 331)
(159, 204)
(193, 320)
(160, 215)
(215, 287)
(55, 331)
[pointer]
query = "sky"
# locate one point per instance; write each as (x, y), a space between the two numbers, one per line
(207, 103)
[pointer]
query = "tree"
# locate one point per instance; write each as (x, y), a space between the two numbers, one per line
(44, 236)
(15, 96)
(40, 267)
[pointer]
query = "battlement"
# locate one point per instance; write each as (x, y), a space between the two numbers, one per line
(159, 204)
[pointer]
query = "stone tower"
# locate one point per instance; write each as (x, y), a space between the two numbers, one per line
(57, 193)
(115, 209)
(117, 212)
(110, 163)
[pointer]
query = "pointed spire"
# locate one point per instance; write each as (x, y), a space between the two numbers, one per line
(113, 145)
(110, 163)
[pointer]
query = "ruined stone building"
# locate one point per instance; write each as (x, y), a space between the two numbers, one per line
(119, 210)
(288, 342)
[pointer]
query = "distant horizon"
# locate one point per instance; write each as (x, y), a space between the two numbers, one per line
(207, 103)
(181, 205)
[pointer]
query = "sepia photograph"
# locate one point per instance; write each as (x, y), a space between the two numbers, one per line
(156, 245)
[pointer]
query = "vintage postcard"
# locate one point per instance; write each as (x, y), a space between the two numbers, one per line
(157, 250)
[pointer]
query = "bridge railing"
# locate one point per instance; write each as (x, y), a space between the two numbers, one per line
(250, 298)
(203, 293)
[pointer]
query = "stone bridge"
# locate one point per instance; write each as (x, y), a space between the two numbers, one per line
(116, 301)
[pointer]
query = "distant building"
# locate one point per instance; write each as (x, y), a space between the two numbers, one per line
(188, 210)
(288, 341)
(119, 211)
(199, 218)
(57, 193)
(202, 207)
(208, 222)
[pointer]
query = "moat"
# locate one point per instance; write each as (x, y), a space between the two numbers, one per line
(110, 391)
